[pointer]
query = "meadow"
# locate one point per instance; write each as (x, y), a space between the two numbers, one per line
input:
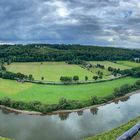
(50, 94)
(128, 63)
(51, 71)
(112, 64)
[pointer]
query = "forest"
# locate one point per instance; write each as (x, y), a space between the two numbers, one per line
(62, 52)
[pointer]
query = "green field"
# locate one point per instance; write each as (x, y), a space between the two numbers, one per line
(107, 64)
(128, 63)
(111, 64)
(51, 71)
(50, 94)
(115, 133)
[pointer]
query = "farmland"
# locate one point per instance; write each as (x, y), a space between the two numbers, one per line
(52, 71)
(50, 94)
(128, 63)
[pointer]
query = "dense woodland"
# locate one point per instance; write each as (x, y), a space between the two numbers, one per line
(57, 52)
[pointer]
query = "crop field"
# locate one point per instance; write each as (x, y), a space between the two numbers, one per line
(51, 71)
(50, 94)
(128, 63)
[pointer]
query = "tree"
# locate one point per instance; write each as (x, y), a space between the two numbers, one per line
(62, 78)
(75, 78)
(3, 68)
(100, 76)
(65, 79)
(31, 77)
(42, 78)
(86, 78)
(95, 77)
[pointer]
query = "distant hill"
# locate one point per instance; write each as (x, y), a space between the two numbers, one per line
(62, 52)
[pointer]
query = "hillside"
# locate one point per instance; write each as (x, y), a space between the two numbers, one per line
(57, 52)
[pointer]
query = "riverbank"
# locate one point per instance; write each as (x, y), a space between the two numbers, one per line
(115, 133)
(66, 111)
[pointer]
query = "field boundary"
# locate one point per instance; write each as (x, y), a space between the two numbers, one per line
(73, 83)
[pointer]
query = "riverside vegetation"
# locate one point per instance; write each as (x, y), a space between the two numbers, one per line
(65, 104)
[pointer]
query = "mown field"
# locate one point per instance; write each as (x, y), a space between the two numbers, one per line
(51, 71)
(115, 133)
(50, 94)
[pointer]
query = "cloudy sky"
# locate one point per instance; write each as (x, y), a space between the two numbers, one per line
(98, 22)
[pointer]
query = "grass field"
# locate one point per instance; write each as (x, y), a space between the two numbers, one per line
(50, 94)
(51, 71)
(115, 133)
(107, 64)
(128, 63)
(111, 64)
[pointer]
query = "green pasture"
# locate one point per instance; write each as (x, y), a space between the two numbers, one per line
(128, 63)
(110, 64)
(51, 71)
(50, 94)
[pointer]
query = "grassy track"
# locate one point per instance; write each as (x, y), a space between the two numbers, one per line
(128, 63)
(115, 133)
(51, 71)
(52, 93)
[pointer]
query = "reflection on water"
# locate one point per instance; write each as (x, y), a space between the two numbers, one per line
(64, 116)
(121, 99)
(94, 110)
(69, 126)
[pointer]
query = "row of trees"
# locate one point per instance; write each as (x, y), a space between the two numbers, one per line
(69, 79)
(15, 76)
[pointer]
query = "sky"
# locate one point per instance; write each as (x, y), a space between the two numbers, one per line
(93, 22)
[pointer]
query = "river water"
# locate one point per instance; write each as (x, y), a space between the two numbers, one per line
(73, 126)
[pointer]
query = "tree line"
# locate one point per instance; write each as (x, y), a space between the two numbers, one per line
(62, 52)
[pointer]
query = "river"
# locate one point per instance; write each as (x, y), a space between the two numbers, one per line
(72, 126)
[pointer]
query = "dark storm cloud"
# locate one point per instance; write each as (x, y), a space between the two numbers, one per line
(101, 22)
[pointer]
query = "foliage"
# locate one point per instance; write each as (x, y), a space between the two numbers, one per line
(62, 52)
(15, 76)
(134, 72)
